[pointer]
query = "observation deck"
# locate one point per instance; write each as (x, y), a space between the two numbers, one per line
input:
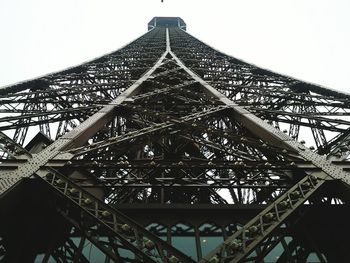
(167, 22)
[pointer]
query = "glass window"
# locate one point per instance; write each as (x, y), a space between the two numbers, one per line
(92, 253)
(183, 238)
(313, 258)
(210, 237)
(39, 258)
(275, 253)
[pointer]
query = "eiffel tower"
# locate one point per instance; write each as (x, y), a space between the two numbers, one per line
(168, 150)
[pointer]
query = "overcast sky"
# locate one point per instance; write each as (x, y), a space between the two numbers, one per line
(306, 39)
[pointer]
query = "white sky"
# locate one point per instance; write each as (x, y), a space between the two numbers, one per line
(306, 39)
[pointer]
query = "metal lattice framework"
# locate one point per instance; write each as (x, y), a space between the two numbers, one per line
(122, 158)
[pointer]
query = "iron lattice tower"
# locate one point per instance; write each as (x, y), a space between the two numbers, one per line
(168, 150)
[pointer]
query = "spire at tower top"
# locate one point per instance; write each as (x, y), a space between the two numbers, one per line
(159, 21)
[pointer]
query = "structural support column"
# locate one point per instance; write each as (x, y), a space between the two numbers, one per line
(266, 132)
(74, 138)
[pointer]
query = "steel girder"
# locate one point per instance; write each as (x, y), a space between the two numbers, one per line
(169, 120)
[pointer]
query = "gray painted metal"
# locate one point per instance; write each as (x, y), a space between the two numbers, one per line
(216, 113)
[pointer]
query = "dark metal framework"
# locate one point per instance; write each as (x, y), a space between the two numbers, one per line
(168, 150)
